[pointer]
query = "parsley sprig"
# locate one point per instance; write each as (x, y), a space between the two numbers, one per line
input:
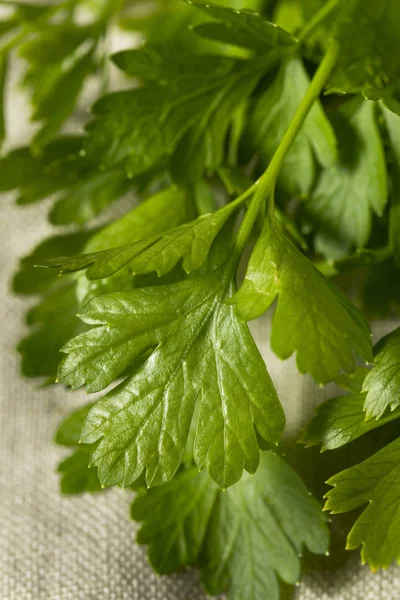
(272, 140)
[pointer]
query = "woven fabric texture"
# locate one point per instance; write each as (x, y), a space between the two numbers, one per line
(82, 548)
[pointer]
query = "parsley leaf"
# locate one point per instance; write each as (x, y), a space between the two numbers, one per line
(28, 280)
(53, 322)
(271, 117)
(383, 381)
(192, 112)
(144, 422)
(348, 192)
(372, 483)
(76, 475)
(341, 420)
(241, 28)
(190, 242)
(313, 317)
(368, 32)
(271, 516)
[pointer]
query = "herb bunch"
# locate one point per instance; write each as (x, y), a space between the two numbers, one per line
(266, 129)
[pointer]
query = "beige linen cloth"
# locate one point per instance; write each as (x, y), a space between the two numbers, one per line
(82, 548)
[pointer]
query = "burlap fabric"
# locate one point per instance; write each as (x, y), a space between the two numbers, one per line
(58, 548)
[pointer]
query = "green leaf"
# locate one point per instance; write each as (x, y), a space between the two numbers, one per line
(37, 177)
(175, 518)
(60, 101)
(166, 63)
(271, 117)
(313, 317)
(289, 15)
(52, 44)
(380, 295)
(374, 483)
(352, 382)
(53, 322)
(339, 421)
(190, 242)
(204, 147)
(242, 28)
(246, 538)
(369, 32)
(76, 475)
(144, 422)
(69, 431)
(347, 193)
(29, 280)
(184, 106)
(89, 197)
(382, 383)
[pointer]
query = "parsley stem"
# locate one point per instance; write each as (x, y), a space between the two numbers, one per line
(265, 185)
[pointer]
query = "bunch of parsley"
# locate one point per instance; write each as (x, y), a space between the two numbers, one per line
(271, 132)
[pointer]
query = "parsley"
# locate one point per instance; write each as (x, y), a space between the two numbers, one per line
(243, 133)
(185, 522)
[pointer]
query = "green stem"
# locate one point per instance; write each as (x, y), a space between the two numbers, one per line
(317, 18)
(266, 184)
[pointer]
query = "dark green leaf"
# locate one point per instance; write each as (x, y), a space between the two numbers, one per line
(76, 475)
(29, 280)
(69, 431)
(53, 323)
(89, 197)
(347, 193)
(191, 106)
(339, 421)
(265, 521)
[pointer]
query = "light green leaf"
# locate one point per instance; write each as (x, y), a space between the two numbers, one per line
(382, 384)
(339, 421)
(350, 191)
(272, 115)
(313, 317)
(242, 28)
(144, 422)
(372, 484)
(247, 537)
(89, 197)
